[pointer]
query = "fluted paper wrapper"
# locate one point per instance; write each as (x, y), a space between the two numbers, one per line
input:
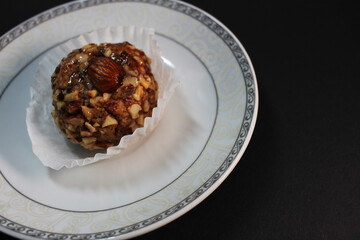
(52, 148)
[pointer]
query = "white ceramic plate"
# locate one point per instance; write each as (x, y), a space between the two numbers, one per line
(202, 136)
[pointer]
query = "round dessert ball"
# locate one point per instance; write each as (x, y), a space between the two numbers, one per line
(103, 92)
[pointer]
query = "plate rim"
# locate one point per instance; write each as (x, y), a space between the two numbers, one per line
(229, 163)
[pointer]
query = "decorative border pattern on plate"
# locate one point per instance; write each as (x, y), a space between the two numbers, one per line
(245, 127)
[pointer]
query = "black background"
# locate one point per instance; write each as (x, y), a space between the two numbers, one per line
(300, 175)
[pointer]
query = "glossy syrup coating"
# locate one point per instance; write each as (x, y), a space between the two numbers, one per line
(103, 92)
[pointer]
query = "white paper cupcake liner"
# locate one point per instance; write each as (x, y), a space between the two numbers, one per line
(55, 150)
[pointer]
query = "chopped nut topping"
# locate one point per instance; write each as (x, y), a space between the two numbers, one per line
(138, 93)
(74, 96)
(90, 127)
(145, 82)
(76, 120)
(140, 120)
(106, 97)
(107, 52)
(130, 80)
(92, 93)
(134, 110)
(109, 121)
(97, 100)
(82, 57)
(89, 140)
(146, 106)
(131, 72)
(60, 105)
(56, 94)
(85, 134)
(88, 113)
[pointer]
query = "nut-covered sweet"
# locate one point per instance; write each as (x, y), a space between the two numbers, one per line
(103, 92)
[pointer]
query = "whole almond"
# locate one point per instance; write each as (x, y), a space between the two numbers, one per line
(105, 74)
